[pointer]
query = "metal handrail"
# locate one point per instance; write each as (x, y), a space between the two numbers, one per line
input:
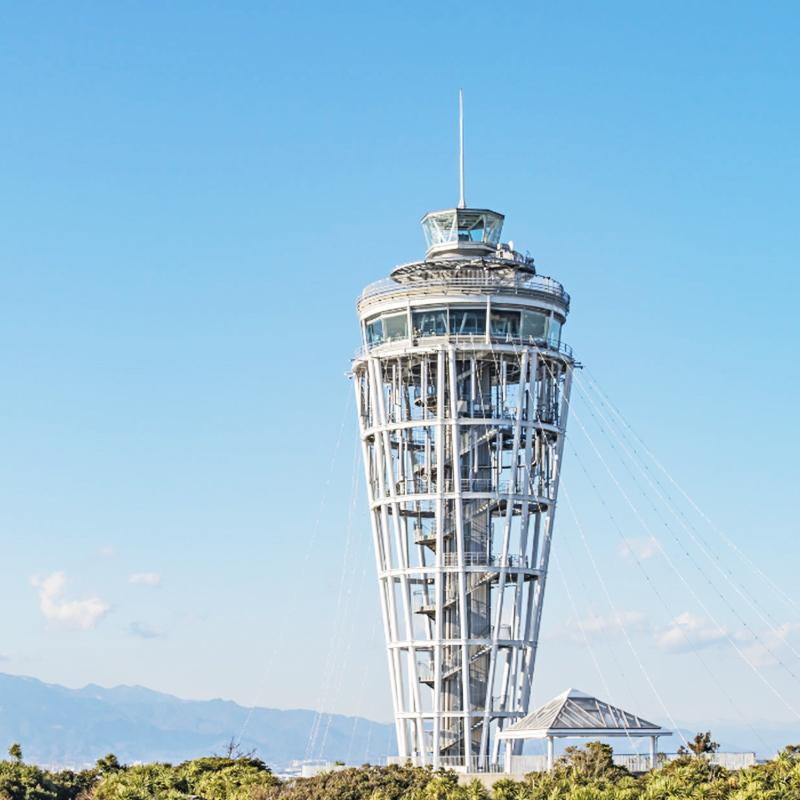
(636, 762)
(537, 284)
(412, 486)
(512, 341)
(427, 670)
(470, 763)
(484, 560)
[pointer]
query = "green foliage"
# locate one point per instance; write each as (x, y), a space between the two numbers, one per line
(475, 790)
(20, 781)
(214, 778)
(107, 765)
(226, 778)
(595, 760)
(587, 773)
(367, 783)
(505, 789)
(700, 745)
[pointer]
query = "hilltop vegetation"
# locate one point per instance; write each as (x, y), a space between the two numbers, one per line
(582, 774)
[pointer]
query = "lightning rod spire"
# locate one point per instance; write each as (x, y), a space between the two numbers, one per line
(461, 203)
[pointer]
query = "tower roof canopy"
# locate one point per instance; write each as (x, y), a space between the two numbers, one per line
(574, 713)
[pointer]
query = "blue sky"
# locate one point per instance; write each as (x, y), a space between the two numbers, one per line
(192, 198)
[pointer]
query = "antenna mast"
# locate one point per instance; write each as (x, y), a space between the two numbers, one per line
(461, 203)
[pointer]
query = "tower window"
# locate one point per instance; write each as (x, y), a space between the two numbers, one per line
(555, 332)
(432, 322)
(467, 321)
(374, 332)
(505, 323)
(395, 327)
(534, 325)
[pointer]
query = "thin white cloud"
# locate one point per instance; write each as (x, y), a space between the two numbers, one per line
(767, 648)
(689, 631)
(146, 578)
(107, 552)
(143, 631)
(81, 614)
(593, 626)
(639, 548)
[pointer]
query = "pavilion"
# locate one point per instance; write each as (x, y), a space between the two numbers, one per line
(574, 714)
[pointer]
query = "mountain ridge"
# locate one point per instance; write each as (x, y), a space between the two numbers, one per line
(60, 727)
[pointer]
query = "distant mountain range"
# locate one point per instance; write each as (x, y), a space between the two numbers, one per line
(59, 727)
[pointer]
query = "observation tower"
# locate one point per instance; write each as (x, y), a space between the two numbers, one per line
(462, 385)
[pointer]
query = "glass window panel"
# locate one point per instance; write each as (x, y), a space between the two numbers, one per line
(555, 332)
(505, 323)
(426, 229)
(466, 321)
(395, 327)
(470, 226)
(493, 228)
(440, 228)
(432, 322)
(534, 324)
(476, 233)
(374, 332)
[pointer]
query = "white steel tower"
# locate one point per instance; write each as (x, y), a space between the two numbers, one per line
(462, 384)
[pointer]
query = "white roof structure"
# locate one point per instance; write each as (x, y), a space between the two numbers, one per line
(574, 713)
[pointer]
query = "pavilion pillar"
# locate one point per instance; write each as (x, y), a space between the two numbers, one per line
(653, 749)
(509, 752)
(550, 753)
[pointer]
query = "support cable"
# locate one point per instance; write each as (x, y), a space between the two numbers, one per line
(594, 563)
(683, 580)
(770, 623)
(363, 688)
(619, 531)
(371, 715)
(585, 635)
(616, 613)
(337, 636)
(663, 602)
(785, 598)
(343, 667)
(642, 463)
(299, 581)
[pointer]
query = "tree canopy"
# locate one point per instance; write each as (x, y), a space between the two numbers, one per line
(587, 773)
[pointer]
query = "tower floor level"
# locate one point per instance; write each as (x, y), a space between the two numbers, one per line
(462, 387)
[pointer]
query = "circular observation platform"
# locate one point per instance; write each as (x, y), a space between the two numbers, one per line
(470, 277)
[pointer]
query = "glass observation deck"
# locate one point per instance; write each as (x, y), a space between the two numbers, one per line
(461, 231)
(525, 327)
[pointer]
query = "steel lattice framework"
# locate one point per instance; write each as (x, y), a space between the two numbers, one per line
(462, 387)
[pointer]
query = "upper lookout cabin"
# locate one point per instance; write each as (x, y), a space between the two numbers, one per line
(462, 232)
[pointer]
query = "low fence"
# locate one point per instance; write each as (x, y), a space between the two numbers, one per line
(634, 762)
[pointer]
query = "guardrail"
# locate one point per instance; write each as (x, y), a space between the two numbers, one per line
(476, 340)
(457, 763)
(488, 284)
(635, 762)
(409, 487)
(484, 560)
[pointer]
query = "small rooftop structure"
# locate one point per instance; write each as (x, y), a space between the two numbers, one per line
(575, 714)
(473, 232)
